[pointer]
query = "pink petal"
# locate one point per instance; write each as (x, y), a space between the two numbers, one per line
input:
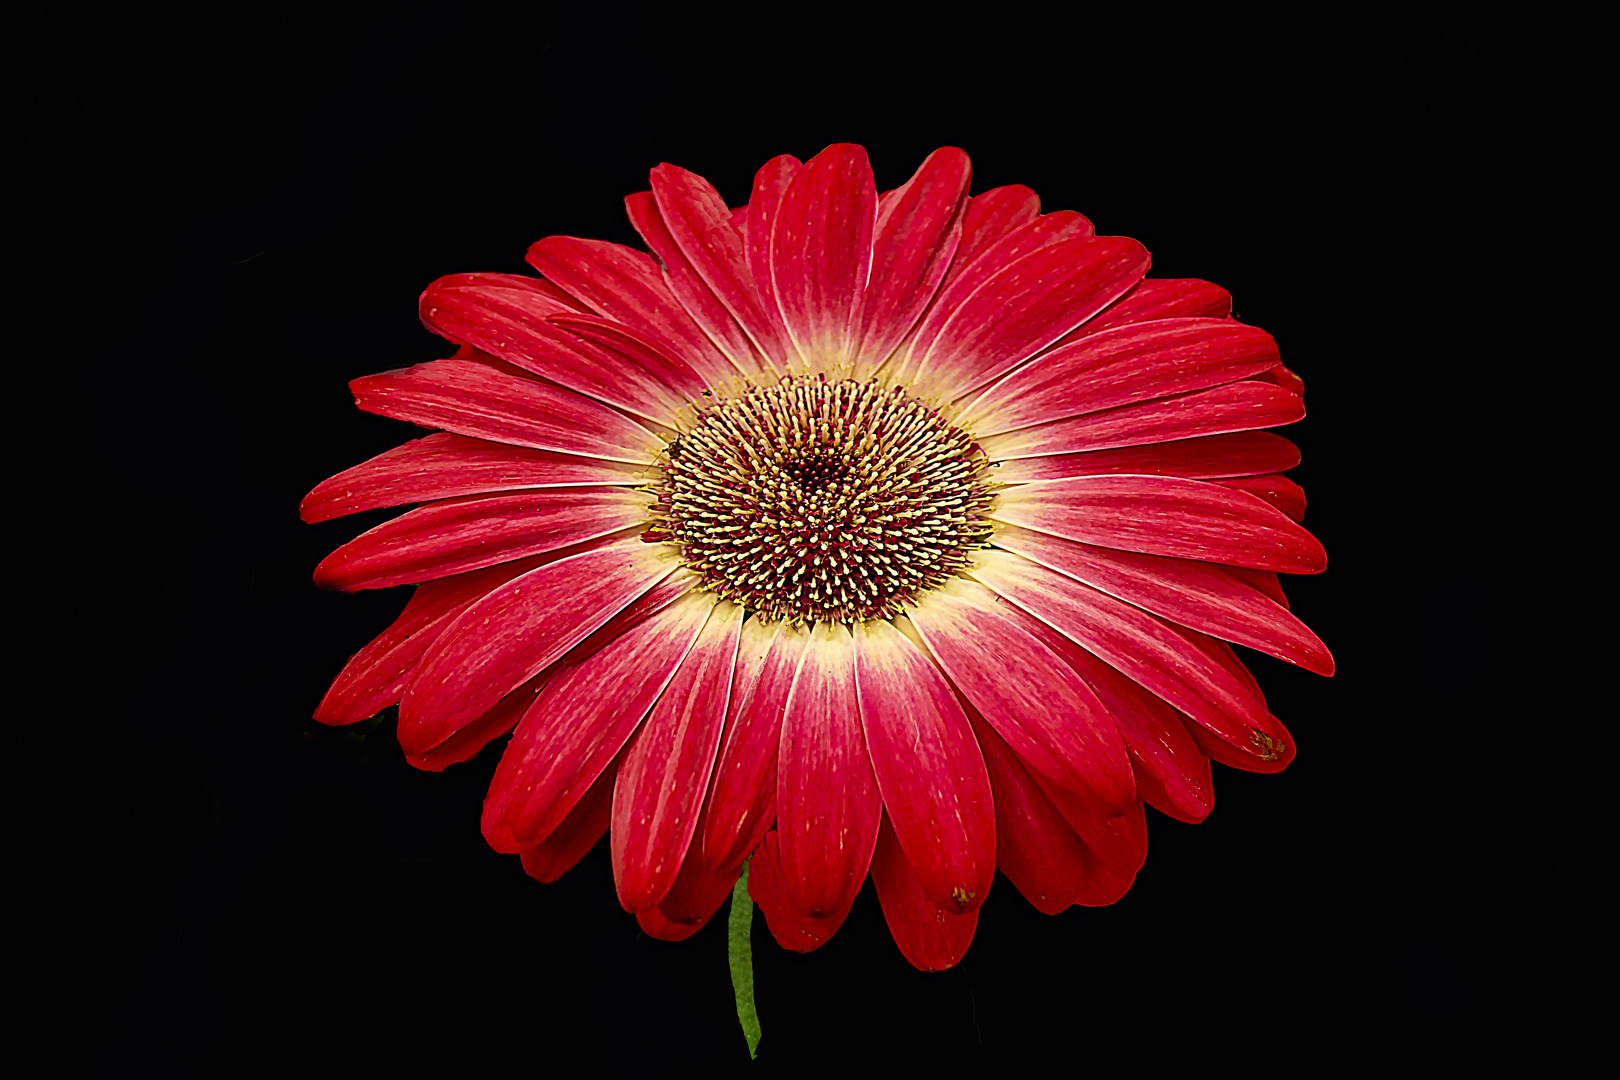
(1172, 774)
(1279, 491)
(688, 286)
(1175, 664)
(573, 839)
(1240, 406)
(742, 802)
(1022, 309)
(700, 224)
(444, 466)
(931, 939)
(1131, 363)
(770, 184)
(827, 802)
(1199, 595)
(517, 326)
(917, 234)
(791, 928)
(1241, 453)
(458, 535)
(581, 722)
(1035, 847)
(626, 285)
(991, 216)
(1049, 717)
(821, 253)
(1165, 515)
(465, 744)
(374, 678)
(1162, 298)
(513, 633)
(659, 794)
(935, 790)
(474, 399)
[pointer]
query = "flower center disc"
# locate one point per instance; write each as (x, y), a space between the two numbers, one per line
(819, 499)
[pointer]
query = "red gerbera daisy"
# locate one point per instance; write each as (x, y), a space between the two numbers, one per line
(900, 533)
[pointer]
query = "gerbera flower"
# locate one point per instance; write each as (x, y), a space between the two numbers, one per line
(899, 534)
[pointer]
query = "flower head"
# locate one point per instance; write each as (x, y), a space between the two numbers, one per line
(899, 534)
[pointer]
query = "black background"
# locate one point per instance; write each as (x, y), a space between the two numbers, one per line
(257, 204)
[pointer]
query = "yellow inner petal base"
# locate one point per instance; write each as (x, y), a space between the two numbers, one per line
(822, 499)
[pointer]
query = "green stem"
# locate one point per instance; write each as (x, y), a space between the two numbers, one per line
(740, 952)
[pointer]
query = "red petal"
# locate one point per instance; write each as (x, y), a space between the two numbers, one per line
(1240, 406)
(1264, 580)
(1162, 298)
(821, 253)
(445, 466)
(627, 356)
(965, 278)
(1199, 595)
(459, 535)
(1104, 885)
(465, 744)
(770, 184)
(698, 891)
(474, 399)
(1035, 847)
(581, 722)
(1171, 772)
(1022, 309)
(990, 217)
(917, 234)
(931, 939)
(655, 925)
(573, 839)
(1279, 491)
(1266, 751)
(1049, 717)
(700, 224)
(659, 794)
(516, 326)
(625, 284)
(1178, 665)
(374, 678)
(929, 771)
(791, 927)
(1117, 845)
(742, 804)
(1165, 515)
(1285, 379)
(1239, 454)
(512, 634)
(1263, 752)
(827, 803)
(688, 286)
(1128, 364)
